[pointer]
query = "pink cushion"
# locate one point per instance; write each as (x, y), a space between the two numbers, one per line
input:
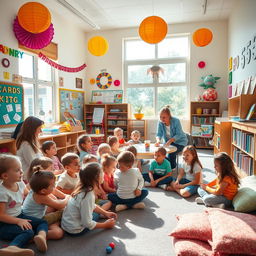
(193, 226)
(233, 232)
(191, 247)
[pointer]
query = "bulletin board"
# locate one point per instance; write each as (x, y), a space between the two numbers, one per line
(11, 104)
(107, 96)
(73, 102)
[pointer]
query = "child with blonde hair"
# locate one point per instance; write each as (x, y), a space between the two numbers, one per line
(114, 145)
(135, 138)
(119, 133)
(109, 166)
(221, 191)
(90, 159)
(69, 179)
(103, 148)
(84, 146)
(129, 183)
(14, 225)
(190, 174)
(49, 150)
(42, 184)
(83, 201)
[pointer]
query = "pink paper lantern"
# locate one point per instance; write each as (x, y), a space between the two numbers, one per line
(31, 40)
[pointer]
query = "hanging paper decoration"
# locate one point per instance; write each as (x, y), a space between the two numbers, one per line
(202, 37)
(201, 64)
(31, 40)
(34, 17)
(117, 82)
(98, 46)
(92, 81)
(60, 67)
(104, 86)
(153, 29)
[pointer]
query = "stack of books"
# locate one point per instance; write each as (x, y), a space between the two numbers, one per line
(6, 133)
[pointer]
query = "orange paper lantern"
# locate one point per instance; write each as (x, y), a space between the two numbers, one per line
(98, 46)
(34, 17)
(202, 37)
(153, 29)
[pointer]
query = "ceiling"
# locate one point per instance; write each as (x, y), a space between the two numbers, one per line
(115, 14)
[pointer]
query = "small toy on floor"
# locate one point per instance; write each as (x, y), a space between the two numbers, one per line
(110, 247)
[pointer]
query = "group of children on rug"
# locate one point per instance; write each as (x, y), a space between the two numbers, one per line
(58, 192)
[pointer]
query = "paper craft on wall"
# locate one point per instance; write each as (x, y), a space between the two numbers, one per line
(107, 96)
(11, 104)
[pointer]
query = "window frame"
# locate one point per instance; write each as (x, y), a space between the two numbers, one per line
(157, 61)
(36, 83)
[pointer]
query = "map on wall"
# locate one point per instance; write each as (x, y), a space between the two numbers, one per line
(71, 101)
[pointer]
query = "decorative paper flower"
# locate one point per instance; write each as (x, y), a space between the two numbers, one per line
(31, 40)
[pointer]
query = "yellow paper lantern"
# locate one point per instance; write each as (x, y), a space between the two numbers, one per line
(202, 37)
(153, 29)
(34, 17)
(97, 45)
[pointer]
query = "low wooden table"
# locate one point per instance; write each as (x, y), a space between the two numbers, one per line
(142, 153)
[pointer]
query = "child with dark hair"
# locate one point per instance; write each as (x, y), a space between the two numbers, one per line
(69, 179)
(42, 184)
(83, 201)
(84, 146)
(129, 183)
(137, 162)
(49, 150)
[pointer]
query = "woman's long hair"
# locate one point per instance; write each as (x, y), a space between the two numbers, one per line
(166, 109)
(27, 132)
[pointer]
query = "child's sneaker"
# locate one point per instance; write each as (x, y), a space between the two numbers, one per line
(199, 200)
(14, 250)
(121, 207)
(139, 205)
(147, 184)
(164, 186)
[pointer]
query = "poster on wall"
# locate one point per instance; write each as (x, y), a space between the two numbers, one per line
(71, 101)
(11, 104)
(107, 96)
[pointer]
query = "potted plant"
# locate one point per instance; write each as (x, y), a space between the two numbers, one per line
(138, 115)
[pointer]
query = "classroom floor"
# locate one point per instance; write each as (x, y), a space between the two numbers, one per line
(138, 232)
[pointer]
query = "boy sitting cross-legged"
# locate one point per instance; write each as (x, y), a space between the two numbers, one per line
(129, 183)
(159, 171)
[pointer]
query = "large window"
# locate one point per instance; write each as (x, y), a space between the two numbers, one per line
(38, 83)
(157, 75)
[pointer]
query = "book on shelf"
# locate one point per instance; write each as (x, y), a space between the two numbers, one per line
(203, 120)
(207, 130)
(243, 140)
(243, 161)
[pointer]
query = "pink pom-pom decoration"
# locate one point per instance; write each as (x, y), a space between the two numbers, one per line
(31, 40)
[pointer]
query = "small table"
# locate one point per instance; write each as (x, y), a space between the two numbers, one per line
(142, 153)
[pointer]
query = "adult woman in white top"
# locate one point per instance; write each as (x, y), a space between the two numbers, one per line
(27, 141)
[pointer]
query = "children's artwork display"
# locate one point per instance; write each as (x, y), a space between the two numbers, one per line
(71, 101)
(11, 104)
(107, 96)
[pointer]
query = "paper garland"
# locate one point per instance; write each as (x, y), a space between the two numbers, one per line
(60, 67)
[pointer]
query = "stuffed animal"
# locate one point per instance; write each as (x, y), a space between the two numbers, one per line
(209, 81)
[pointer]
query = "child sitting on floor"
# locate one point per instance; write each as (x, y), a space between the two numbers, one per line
(69, 179)
(190, 174)
(83, 201)
(114, 145)
(84, 146)
(119, 133)
(49, 150)
(14, 225)
(135, 138)
(42, 184)
(103, 148)
(109, 166)
(137, 162)
(129, 183)
(160, 171)
(89, 159)
(221, 191)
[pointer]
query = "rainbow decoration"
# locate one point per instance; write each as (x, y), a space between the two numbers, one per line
(104, 86)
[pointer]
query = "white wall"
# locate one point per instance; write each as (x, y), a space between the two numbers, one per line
(242, 28)
(215, 55)
(70, 39)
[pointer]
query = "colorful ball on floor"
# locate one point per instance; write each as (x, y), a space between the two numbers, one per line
(108, 250)
(112, 245)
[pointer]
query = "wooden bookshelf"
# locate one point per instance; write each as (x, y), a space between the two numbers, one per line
(210, 110)
(222, 136)
(140, 125)
(65, 142)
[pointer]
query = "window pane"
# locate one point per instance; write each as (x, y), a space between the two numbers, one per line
(173, 47)
(172, 73)
(44, 71)
(142, 96)
(138, 74)
(137, 50)
(176, 97)
(45, 103)
(26, 66)
(28, 99)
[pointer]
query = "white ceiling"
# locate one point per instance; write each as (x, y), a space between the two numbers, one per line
(113, 14)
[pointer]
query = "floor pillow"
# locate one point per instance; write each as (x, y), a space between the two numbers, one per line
(232, 232)
(193, 226)
(245, 200)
